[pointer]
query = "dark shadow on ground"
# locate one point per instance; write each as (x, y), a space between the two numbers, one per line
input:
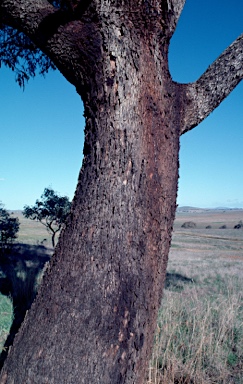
(21, 268)
(176, 282)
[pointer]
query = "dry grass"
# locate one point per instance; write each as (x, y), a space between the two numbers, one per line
(32, 232)
(199, 338)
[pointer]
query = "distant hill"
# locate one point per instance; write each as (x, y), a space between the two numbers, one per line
(190, 209)
(228, 209)
(196, 209)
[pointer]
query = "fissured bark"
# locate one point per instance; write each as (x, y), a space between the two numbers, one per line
(95, 314)
(94, 318)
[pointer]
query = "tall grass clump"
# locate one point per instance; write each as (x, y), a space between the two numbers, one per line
(199, 339)
(6, 318)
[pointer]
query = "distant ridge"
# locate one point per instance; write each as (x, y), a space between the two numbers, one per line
(228, 209)
(190, 209)
(196, 209)
(184, 208)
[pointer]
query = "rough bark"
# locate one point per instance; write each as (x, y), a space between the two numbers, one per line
(95, 315)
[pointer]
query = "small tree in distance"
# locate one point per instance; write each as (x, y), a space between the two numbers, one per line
(9, 227)
(51, 211)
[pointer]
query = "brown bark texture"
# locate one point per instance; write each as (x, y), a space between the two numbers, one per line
(94, 317)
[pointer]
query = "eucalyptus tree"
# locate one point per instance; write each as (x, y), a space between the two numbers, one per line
(51, 211)
(95, 314)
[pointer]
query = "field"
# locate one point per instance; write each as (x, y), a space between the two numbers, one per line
(32, 232)
(200, 327)
(203, 253)
(199, 338)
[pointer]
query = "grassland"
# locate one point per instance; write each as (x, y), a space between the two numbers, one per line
(6, 311)
(32, 232)
(199, 338)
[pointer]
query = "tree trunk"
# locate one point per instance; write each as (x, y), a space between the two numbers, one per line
(53, 238)
(95, 315)
(96, 312)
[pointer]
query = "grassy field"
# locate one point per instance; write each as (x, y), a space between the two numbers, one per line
(32, 232)
(199, 338)
(6, 312)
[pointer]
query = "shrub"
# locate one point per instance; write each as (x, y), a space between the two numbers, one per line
(188, 224)
(239, 225)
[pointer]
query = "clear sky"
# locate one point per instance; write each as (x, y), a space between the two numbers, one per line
(42, 127)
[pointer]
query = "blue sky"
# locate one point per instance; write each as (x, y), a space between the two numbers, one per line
(42, 127)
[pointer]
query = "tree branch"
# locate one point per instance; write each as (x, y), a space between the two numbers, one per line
(174, 9)
(25, 15)
(53, 31)
(203, 96)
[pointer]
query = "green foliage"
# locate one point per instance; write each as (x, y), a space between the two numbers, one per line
(6, 318)
(9, 227)
(21, 55)
(51, 211)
